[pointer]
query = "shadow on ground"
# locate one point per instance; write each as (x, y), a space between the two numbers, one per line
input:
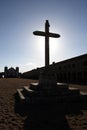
(48, 116)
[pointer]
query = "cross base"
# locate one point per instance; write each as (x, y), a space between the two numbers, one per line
(47, 78)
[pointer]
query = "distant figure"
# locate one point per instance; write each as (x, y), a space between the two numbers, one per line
(2, 76)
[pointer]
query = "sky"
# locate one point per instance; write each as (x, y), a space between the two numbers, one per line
(19, 18)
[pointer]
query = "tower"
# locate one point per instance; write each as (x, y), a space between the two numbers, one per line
(5, 68)
(5, 71)
(17, 69)
(17, 72)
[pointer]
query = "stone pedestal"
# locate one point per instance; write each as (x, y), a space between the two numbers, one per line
(48, 79)
(47, 90)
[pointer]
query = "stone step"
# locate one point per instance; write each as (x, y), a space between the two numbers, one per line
(83, 96)
(37, 86)
(31, 92)
(74, 91)
(67, 97)
(28, 92)
(21, 96)
(63, 85)
(45, 99)
(26, 88)
(34, 86)
(59, 95)
(83, 93)
(60, 90)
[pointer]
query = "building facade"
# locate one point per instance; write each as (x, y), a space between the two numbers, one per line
(11, 72)
(72, 70)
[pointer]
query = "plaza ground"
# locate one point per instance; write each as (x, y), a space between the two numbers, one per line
(60, 116)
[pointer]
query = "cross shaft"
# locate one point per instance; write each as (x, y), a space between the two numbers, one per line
(47, 34)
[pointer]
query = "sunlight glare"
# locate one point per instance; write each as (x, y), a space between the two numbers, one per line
(54, 48)
(40, 45)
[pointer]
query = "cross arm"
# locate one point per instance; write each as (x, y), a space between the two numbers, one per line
(54, 35)
(41, 33)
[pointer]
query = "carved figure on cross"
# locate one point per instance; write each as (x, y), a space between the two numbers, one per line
(47, 34)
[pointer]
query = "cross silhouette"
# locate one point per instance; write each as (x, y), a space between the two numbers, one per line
(47, 34)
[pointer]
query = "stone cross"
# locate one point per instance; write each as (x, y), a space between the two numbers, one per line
(47, 34)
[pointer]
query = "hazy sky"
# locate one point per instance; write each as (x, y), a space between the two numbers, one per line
(18, 20)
